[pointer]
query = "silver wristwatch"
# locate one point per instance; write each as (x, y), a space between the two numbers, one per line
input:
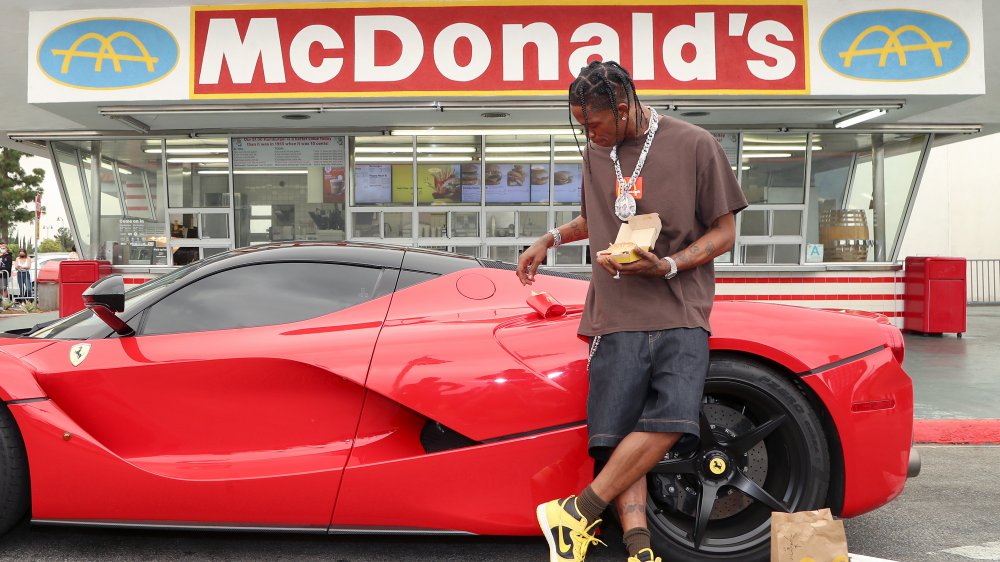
(556, 237)
(673, 268)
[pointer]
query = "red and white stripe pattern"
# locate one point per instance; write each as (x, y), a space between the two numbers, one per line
(876, 291)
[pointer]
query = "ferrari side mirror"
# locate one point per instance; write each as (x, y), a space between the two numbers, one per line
(106, 297)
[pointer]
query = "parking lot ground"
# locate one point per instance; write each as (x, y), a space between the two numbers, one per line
(957, 378)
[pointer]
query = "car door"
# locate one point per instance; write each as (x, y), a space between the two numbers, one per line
(236, 402)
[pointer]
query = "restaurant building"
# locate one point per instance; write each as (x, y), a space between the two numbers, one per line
(179, 132)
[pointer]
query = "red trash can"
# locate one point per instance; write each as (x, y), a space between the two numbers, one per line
(934, 300)
(74, 277)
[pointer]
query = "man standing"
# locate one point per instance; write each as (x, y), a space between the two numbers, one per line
(648, 321)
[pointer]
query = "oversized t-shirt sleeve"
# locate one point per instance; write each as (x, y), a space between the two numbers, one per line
(585, 176)
(718, 191)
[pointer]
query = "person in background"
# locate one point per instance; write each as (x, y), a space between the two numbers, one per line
(6, 262)
(72, 253)
(23, 266)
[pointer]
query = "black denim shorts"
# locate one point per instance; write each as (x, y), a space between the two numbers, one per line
(645, 381)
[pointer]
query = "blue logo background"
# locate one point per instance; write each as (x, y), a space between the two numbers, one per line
(920, 63)
(81, 73)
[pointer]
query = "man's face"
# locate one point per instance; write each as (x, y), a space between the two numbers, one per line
(600, 125)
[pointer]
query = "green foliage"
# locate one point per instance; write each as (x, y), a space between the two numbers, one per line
(17, 187)
(64, 238)
(50, 245)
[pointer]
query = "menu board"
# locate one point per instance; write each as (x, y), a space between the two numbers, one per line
(507, 183)
(288, 152)
(568, 180)
(448, 183)
(372, 183)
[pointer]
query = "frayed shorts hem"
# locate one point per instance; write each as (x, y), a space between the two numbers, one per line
(605, 441)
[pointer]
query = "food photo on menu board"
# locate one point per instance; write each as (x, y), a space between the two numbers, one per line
(568, 179)
(507, 183)
(539, 175)
(447, 183)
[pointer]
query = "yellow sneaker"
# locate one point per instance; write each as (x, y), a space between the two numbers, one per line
(567, 532)
(644, 555)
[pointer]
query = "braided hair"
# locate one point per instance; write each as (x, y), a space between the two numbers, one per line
(602, 85)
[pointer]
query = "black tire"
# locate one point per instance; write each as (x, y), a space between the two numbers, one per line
(14, 487)
(791, 464)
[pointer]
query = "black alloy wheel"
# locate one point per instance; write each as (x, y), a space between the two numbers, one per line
(762, 449)
(13, 473)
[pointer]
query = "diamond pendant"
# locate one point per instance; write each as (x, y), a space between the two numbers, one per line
(625, 206)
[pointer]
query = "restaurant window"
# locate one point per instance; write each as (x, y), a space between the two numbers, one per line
(74, 185)
(772, 169)
(132, 229)
(289, 188)
(843, 224)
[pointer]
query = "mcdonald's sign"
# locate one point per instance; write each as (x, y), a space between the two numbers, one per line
(108, 53)
(894, 46)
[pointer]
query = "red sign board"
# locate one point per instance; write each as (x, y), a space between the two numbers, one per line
(475, 49)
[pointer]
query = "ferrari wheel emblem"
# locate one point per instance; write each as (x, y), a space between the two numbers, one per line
(717, 466)
(78, 353)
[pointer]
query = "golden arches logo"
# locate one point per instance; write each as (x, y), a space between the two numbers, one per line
(893, 45)
(107, 51)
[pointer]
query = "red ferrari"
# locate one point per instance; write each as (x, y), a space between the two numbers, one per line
(304, 387)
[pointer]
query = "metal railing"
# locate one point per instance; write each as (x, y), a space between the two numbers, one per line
(12, 289)
(983, 281)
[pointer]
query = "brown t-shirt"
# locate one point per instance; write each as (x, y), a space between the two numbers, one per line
(687, 179)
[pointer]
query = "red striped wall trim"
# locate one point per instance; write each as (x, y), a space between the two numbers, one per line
(719, 279)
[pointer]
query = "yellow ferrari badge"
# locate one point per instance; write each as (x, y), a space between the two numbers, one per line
(717, 466)
(78, 353)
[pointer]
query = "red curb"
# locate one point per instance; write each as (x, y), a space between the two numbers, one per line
(956, 432)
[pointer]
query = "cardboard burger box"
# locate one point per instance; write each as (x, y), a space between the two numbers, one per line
(640, 231)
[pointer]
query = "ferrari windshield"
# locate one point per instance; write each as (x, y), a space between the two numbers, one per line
(86, 325)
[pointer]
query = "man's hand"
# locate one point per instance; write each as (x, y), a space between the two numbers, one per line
(529, 261)
(648, 265)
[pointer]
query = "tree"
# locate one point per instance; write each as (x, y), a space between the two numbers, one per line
(64, 238)
(50, 245)
(17, 187)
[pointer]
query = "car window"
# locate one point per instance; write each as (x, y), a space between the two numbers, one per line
(260, 295)
(409, 278)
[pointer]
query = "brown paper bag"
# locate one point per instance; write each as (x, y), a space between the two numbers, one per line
(807, 536)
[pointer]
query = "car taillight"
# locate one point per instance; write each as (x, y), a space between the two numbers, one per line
(894, 339)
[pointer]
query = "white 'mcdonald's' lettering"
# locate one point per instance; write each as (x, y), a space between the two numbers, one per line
(353, 50)
(298, 54)
(784, 59)
(546, 40)
(241, 55)
(702, 36)
(365, 30)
